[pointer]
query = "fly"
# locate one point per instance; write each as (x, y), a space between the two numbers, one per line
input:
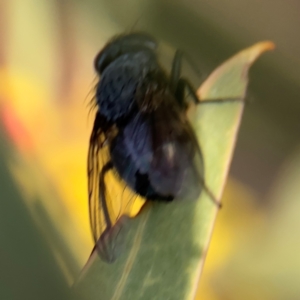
(141, 135)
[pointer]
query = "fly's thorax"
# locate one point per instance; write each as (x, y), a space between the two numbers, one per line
(116, 92)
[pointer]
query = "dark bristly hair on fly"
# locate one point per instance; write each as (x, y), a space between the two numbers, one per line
(141, 134)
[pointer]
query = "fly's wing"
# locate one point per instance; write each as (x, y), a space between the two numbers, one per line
(109, 197)
(97, 157)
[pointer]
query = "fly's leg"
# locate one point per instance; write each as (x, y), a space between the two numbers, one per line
(176, 71)
(184, 84)
(102, 188)
(111, 242)
(176, 84)
(176, 68)
(210, 194)
(104, 243)
(179, 85)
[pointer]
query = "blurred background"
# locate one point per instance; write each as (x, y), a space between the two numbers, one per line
(46, 81)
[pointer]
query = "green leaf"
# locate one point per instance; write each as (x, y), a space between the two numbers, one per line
(29, 269)
(167, 242)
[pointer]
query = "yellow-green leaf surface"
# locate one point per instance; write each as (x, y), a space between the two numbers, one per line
(166, 243)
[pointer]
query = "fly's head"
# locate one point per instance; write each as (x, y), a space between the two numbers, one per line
(122, 44)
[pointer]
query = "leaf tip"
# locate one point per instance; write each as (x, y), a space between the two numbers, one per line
(234, 70)
(253, 52)
(265, 46)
